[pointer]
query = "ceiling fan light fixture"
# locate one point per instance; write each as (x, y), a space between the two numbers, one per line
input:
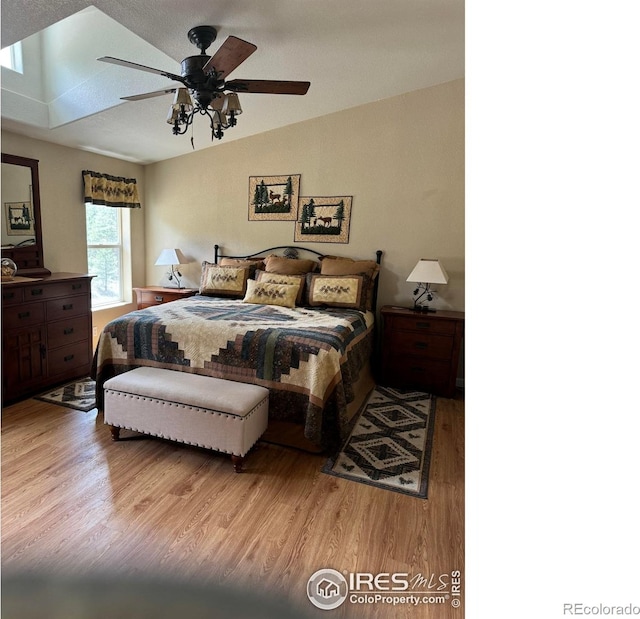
(204, 80)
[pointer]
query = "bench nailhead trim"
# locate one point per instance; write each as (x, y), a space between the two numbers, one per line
(193, 408)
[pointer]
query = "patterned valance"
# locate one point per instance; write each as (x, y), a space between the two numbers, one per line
(110, 190)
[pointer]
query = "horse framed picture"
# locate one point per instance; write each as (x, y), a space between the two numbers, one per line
(274, 198)
(19, 218)
(323, 219)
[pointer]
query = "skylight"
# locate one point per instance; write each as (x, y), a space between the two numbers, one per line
(11, 57)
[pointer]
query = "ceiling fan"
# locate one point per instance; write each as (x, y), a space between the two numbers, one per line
(204, 78)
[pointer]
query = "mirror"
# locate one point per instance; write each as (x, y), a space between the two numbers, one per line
(21, 224)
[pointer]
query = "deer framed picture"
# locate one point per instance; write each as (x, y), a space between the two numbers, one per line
(323, 219)
(274, 198)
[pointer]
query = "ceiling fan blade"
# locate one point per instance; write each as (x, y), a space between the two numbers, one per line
(141, 67)
(274, 87)
(233, 52)
(148, 95)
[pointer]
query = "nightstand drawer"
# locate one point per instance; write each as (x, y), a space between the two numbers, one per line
(423, 323)
(157, 295)
(423, 345)
(149, 297)
(418, 373)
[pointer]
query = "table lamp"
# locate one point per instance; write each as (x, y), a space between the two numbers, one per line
(171, 257)
(428, 271)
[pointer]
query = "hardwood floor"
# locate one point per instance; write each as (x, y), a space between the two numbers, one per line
(75, 502)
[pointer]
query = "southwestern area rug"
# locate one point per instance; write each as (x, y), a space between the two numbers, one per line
(80, 394)
(390, 444)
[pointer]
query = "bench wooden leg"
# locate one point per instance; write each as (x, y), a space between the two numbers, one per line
(115, 433)
(237, 463)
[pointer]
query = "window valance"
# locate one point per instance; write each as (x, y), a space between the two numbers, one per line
(110, 190)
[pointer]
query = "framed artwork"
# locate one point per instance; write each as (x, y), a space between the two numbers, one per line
(19, 218)
(274, 198)
(323, 219)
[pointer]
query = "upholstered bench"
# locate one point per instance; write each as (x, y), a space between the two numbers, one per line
(217, 414)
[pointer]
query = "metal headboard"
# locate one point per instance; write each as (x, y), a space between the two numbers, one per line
(291, 251)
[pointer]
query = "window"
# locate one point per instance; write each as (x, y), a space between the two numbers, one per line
(11, 57)
(106, 253)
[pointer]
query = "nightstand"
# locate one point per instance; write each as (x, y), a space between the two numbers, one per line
(157, 295)
(421, 350)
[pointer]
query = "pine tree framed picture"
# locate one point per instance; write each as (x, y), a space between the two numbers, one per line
(274, 198)
(323, 219)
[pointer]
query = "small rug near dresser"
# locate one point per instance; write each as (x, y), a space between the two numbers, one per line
(390, 444)
(80, 394)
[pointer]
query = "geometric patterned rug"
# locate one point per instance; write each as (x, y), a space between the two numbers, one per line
(80, 394)
(390, 443)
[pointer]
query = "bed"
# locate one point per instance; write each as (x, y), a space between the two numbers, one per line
(302, 327)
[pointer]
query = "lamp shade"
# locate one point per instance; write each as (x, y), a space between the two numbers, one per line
(182, 98)
(232, 104)
(171, 256)
(428, 271)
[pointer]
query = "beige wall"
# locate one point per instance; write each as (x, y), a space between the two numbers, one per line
(63, 215)
(402, 160)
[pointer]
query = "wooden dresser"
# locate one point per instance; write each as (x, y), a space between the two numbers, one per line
(421, 350)
(157, 295)
(46, 333)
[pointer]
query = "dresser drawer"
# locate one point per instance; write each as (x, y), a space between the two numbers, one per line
(23, 316)
(422, 344)
(68, 358)
(67, 307)
(52, 291)
(66, 332)
(424, 323)
(11, 295)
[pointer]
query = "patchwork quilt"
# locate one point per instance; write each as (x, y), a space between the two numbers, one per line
(307, 357)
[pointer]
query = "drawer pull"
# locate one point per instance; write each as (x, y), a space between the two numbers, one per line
(23, 315)
(420, 345)
(76, 286)
(8, 295)
(69, 357)
(415, 368)
(43, 351)
(68, 331)
(159, 299)
(423, 325)
(68, 306)
(36, 292)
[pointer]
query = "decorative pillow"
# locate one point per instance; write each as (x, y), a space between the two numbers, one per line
(265, 293)
(289, 266)
(252, 263)
(333, 265)
(338, 291)
(222, 281)
(277, 278)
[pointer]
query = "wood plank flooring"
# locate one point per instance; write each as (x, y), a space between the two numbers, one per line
(75, 502)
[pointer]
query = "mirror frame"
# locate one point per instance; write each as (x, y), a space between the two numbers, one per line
(30, 258)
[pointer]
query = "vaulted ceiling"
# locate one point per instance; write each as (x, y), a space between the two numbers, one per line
(353, 53)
